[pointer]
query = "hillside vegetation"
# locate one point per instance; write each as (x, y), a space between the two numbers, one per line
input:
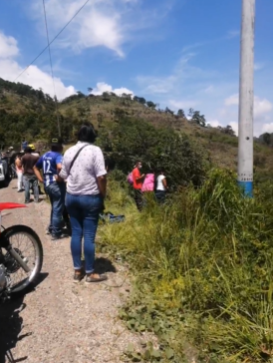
(202, 267)
(29, 113)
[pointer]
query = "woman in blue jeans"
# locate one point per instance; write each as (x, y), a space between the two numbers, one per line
(84, 169)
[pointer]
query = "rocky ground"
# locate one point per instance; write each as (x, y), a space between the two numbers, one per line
(61, 321)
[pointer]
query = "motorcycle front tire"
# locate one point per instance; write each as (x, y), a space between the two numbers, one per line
(30, 281)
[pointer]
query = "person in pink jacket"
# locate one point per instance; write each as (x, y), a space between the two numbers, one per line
(149, 182)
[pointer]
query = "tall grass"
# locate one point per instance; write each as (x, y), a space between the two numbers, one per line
(203, 261)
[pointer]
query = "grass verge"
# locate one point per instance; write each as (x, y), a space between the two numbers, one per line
(202, 268)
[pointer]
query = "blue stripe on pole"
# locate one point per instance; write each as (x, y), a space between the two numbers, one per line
(247, 188)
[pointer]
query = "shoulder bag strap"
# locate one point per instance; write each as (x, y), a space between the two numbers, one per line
(75, 157)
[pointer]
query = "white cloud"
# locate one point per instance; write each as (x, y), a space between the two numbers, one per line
(267, 128)
(214, 123)
(261, 106)
(99, 29)
(235, 127)
(8, 46)
(34, 77)
(183, 75)
(156, 85)
(232, 100)
(262, 112)
(104, 87)
(182, 104)
(102, 23)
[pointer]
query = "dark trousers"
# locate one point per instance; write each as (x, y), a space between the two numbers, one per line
(160, 196)
(56, 193)
(139, 199)
(31, 181)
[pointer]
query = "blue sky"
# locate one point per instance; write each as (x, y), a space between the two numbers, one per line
(177, 53)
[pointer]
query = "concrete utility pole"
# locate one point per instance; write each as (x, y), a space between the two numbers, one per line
(246, 98)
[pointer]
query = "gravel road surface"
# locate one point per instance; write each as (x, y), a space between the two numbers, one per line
(61, 321)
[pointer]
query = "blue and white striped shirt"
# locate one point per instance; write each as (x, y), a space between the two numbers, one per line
(48, 162)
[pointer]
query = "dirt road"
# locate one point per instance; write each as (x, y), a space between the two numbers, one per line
(62, 321)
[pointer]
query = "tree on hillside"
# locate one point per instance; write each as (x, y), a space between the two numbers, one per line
(150, 104)
(2, 138)
(180, 113)
(167, 110)
(229, 130)
(140, 100)
(191, 112)
(80, 94)
(198, 118)
(266, 138)
(106, 96)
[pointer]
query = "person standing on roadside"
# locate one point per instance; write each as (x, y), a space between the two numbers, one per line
(19, 171)
(33, 150)
(138, 180)
(29, 177)
(37, 154)
(51, 164)
(84, 169)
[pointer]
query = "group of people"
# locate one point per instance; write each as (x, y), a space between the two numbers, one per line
(76, 186)
(153, 182)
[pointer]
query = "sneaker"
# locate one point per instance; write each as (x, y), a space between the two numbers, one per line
(60, 236)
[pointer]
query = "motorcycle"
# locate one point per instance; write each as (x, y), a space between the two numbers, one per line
(21, 256)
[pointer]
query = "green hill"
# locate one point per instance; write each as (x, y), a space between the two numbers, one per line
(29, 113)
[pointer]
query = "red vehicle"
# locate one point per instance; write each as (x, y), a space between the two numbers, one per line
(21, 256)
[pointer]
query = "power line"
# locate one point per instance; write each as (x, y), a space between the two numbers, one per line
(51, 66)
(60, 32)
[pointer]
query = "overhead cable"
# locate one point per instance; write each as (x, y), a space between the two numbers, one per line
(60, 32)
(51, 66)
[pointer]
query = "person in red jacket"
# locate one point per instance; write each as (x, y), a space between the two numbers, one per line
(138, 180)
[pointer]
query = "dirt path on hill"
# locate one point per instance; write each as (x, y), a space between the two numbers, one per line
(62, 322)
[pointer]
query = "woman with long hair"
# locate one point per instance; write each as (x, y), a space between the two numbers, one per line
(84, 169)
